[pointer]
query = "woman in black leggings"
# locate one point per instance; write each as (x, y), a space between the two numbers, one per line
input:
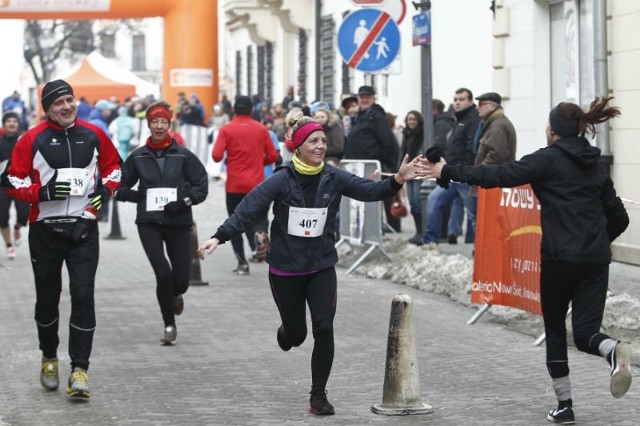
(580, 217)
(306, 195)
(170, 180)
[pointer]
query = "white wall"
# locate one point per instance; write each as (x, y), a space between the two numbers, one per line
(11, 76)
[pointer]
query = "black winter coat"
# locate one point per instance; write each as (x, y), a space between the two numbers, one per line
(181, 170)
(580, 212)
(459, 149)
(370, 138)
(300, 254)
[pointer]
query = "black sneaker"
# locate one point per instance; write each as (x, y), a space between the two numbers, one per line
(452, 239)
(563, 414)
(282, 342)
(320, 406)
(620, 362)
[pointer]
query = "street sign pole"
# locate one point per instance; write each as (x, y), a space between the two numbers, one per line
(427, 112)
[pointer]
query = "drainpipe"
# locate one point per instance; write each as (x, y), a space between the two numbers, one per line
(318, 46)
(601, 74)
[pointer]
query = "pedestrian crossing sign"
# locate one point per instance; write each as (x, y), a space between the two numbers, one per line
(368, 40)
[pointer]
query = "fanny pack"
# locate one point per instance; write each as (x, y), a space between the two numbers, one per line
(74, 229)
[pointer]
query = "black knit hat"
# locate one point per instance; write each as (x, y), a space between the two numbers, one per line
(9, 114)
(53, 90)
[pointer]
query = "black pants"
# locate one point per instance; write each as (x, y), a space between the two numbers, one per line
(22, 210)
(48, 253)
(585, 286)
(233, 200)
(319, 290)
(172, 276)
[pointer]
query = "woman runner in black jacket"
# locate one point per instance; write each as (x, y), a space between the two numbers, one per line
(306, 195)
(580, 217)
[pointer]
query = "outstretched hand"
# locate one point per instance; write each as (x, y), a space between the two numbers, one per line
(207, 247)
(408, 169)
(428, 170)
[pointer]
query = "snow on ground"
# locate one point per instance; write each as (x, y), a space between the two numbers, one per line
(451, 275)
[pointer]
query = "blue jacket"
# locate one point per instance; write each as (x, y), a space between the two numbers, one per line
(300, 254)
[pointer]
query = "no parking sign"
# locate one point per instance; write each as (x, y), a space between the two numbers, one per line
(368, 40)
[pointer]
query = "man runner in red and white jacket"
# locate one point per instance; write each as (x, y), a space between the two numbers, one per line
(54, 167)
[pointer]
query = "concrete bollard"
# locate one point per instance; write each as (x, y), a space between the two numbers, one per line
(401, 391)
(195, 274)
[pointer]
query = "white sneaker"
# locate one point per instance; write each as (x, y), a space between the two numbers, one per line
(620, 363)
(17, 237)
(11, 252)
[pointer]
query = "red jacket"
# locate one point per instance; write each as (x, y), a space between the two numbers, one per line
(249, 148)
(48, 147)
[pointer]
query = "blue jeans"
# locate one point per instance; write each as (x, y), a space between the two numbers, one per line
(456, 216)
(441, 197)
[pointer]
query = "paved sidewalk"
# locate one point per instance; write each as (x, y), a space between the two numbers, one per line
(228, 370)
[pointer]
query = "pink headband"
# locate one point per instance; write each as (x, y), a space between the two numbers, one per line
(303, 132)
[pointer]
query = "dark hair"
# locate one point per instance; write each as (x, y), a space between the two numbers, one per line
(465, 90)
(419, 117)
(438, 105)
(391, 120)
(569, 115)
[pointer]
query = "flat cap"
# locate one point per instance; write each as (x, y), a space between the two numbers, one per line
(491, 97)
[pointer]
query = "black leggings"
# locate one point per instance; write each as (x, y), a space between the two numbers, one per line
(22, 210)
(319, 290)
(172, 276)
(48, 253)
(585, 286)
(233, 200)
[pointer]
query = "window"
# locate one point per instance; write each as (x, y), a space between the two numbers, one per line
(572, 76)
(138, 61)
(108, 45)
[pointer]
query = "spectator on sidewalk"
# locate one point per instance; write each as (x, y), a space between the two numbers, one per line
(302, 255)
(248, 149)
(370, 138)
(458, 150)
(63, 228)
(170, 179)
(580, 216)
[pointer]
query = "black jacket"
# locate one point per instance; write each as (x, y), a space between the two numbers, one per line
(370, 138)
(181, 170)
(580, 212)
(299, 254)
(459, 149)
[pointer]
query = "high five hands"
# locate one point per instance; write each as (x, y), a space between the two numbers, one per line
(424, 169)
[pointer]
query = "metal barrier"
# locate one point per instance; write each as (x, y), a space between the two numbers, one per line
(360, 222)
(196, 139)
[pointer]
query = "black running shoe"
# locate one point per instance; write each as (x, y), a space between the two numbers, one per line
(563, 414)
(320, 406)
(282, 341)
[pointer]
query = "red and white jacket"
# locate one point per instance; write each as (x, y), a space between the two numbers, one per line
(48, 147)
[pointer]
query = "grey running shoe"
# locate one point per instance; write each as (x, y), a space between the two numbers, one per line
(620, 364)
(78, 384)
(170, 335)
(563, 414)
(178, 304)
(49, 378)
(242, 269)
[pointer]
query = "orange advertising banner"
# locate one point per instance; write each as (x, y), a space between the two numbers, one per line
(507, 252)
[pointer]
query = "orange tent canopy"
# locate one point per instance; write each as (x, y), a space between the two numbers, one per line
(88, 82)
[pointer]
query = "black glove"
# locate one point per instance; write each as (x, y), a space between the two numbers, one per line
(433, 154)
(175, 207)
(54, 190)
(99, 197)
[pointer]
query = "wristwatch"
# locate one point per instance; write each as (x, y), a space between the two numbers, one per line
(187, 201)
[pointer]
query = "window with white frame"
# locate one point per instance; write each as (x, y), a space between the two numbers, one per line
(572, 75)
